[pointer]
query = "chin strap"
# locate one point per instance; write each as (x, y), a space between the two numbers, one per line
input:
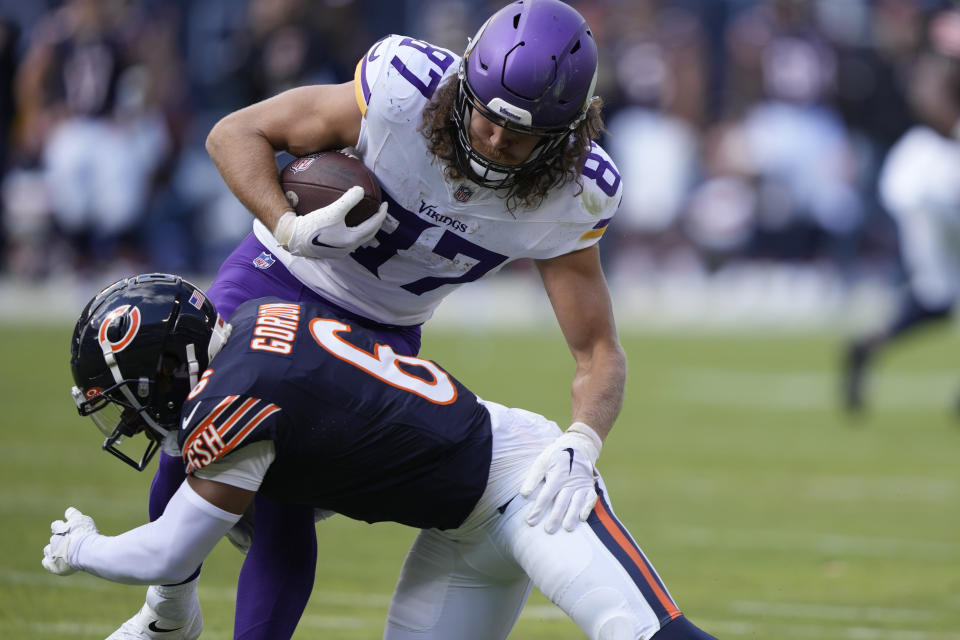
(219, 337)
(193, 366)
(169, 444)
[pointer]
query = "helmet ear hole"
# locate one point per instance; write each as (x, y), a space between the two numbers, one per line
(170, 368)
(170, 362)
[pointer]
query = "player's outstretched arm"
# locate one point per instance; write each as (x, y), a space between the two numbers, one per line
(581, 301)
(578, 292)
(164, 551)
(300, 121)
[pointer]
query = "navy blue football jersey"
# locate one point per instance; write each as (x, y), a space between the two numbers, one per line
(357, 429)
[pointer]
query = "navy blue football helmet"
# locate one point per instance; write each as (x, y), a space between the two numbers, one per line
(138, 348)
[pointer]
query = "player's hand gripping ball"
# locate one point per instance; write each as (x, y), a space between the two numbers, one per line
(337, 205)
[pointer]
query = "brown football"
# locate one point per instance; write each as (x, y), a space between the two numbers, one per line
(316, 180)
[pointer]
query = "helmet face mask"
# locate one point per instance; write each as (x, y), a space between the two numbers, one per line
(531, 69)
(490, 173)
(137, 350)
(117, 419)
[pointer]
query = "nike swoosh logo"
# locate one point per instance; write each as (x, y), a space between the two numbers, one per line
(321, 244)
(570, 451)
(153, 627)
(186, 421)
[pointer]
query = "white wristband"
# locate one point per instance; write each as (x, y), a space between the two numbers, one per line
(284, 229)
(584, 429)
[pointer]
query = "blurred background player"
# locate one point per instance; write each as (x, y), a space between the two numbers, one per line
(298, 402)
(920, 186)
(481, 161)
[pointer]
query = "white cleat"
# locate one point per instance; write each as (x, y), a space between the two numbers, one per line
(148, 625)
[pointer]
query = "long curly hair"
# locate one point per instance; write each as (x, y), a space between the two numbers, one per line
(531, 186)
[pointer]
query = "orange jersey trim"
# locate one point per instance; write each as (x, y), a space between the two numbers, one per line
(253, 424)
(231, 421)
(220, 408)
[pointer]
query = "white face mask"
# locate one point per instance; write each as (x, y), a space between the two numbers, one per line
(488, 174)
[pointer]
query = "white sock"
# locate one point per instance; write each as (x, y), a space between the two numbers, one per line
(174, 602)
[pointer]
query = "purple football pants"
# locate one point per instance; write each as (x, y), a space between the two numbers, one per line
(277, 575)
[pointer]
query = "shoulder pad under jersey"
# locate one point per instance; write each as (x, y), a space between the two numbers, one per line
(601, 195)
(398, 75)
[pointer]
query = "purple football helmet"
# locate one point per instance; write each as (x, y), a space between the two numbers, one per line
(532, 69)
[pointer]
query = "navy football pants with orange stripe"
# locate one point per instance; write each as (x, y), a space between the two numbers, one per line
(471, 583)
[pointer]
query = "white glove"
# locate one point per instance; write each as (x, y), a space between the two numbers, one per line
(322, 233)
(566, 469)
(66, 536)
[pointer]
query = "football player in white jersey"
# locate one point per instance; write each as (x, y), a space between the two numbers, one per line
(920, 186)
(297, 401)
(482, 160)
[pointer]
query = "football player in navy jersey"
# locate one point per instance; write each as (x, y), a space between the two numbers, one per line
(296, 402)
(482, 159)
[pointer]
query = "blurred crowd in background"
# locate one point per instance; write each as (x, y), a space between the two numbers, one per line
(745, 130)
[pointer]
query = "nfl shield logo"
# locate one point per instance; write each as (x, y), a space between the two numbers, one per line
(302, 164)
(463, 193)
(263, 261)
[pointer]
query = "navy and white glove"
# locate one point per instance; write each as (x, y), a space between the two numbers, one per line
(566, 470)
(322, 233)
(67, 536)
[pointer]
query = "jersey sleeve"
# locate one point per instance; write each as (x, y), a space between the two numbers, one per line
(368, 70)
(214, 427)
(397, 76)
(244, 468)
(600, 198)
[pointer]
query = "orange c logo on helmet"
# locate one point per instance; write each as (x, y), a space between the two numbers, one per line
(127, 337)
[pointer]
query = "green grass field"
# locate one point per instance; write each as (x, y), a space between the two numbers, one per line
(767, 513)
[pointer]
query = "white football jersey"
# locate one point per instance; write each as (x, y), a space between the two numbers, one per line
(438, 233)
(920, 186)
(921, 173)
